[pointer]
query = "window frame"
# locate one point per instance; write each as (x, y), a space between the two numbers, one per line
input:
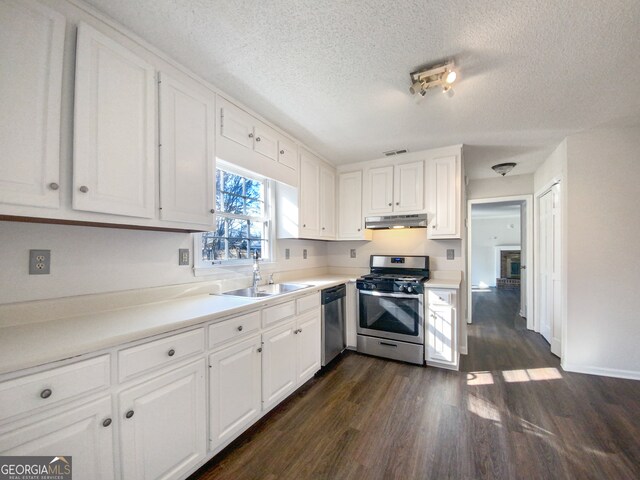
(202, 266)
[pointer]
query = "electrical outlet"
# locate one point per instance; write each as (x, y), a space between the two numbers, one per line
(183, 256)
(352, 253)
(451, 254)
(287, 254)
(304, 254)
(39, 262)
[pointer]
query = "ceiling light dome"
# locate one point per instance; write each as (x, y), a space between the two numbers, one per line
(451, 77)
(503, 168)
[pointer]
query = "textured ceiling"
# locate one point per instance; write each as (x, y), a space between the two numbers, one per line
(336, 74)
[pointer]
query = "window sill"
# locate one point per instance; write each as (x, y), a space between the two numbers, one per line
(236, 267)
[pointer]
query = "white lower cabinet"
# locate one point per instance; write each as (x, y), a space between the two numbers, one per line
(163, 429)
(308, 355)
(442, 329)
(235, 389)
(83, 432)
(278, 364)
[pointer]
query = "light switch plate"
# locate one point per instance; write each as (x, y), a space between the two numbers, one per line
(451, 254)
(39, 262)
(304, 253)
(287, 254)
(183, 256)
(352, 253)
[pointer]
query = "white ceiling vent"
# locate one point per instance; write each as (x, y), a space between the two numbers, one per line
(391, 153)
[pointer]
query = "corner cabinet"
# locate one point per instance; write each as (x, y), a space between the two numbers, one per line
(394, 189)
(114, 128)
(445, 193)
(442, 328)
(31, 52)
(349, 212)
(187, 162)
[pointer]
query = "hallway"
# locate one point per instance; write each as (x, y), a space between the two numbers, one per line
(511, 413)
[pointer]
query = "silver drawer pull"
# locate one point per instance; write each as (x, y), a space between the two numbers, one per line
(171, 352)
(129, 414)
(46, 393)
(389, 344)
(106, 422)
(240, 328)
(84, 189)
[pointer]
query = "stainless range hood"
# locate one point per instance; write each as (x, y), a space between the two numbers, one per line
(396, 221)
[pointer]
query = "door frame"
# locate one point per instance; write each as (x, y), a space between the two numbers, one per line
(528, 206)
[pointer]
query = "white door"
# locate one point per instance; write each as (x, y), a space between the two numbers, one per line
(235, 125)
(309, 196)
(524, 268)
(443, 193)
(235, 387)
(379, 191)
(308, 339)
(114, 128)
(266, 141)
(556, 276)
(327, 203)
(350, 218)
(31, 50)
(163, 424)
(278, 364)
(545, 264)
(409, 187)
(187, 163)
(83, 432)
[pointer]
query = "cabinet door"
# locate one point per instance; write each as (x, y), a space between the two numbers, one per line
(187, 164)
(78, 432)
(441, 334)
(308, 343)
(31, 50)
(235, 125)
(379, 191)
(409, 187)
(166, 435)
(266, 141)
(235, 386)
(287, 154)
(444, 191)
(327, 203)
(114, 128)
(350, 219)
(278, 364)
(309, 196)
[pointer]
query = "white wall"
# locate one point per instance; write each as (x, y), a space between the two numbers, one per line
(500, 186)
(87, 260)
(603, 305)
(554, 167)
(488, 233)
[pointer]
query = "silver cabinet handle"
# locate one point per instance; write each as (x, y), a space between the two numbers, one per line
(106, 422)
(397, 203)
(281, 152)
(212, 211)
(240, 328)
(54, 186)
(358, 229)
(171, 352)
(251, 135)
(323, 228)
(129, 414)
(304, 224)
(390, 204)
(46, 393)
(257, 139)
(259, 349)
(84, 189)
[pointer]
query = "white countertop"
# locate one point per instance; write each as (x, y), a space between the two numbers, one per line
(32, 344)
(442, 283)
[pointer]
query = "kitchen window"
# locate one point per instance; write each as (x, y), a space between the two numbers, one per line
(243, 220)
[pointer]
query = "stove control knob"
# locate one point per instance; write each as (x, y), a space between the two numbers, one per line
(409, 289)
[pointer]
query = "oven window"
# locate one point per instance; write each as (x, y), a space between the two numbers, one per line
(390, 314)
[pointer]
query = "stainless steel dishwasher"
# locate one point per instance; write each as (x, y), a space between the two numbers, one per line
(333, 324)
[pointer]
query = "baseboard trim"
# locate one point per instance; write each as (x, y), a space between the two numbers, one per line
(603, 372)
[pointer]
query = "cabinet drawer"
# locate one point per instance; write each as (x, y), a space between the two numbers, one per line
(53, 386)
(307, 303)
(440, 297)
(272, 315)
(159, 353)
(233, 328)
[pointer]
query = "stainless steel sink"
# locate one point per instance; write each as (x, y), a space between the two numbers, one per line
(267, 290)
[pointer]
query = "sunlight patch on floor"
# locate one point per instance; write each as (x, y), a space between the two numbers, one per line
(483, 409)
(479, 378)
(531, 374)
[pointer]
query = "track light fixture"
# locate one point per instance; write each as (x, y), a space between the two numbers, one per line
(435, 76)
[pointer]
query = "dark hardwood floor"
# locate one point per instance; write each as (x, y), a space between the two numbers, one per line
(511, 412)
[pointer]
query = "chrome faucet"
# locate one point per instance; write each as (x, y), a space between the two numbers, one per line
(256, 271)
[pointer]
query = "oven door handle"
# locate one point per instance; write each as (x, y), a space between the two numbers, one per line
(390, 294)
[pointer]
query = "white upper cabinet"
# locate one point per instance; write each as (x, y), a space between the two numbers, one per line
(445, 194)
(252, 144)
(349, 211)
(327, 203)
(31, 52)
(187, 162)
(395, 189)
(309, 196)
(114, 129)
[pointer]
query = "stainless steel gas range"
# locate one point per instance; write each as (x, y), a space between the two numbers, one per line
(391, 308)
